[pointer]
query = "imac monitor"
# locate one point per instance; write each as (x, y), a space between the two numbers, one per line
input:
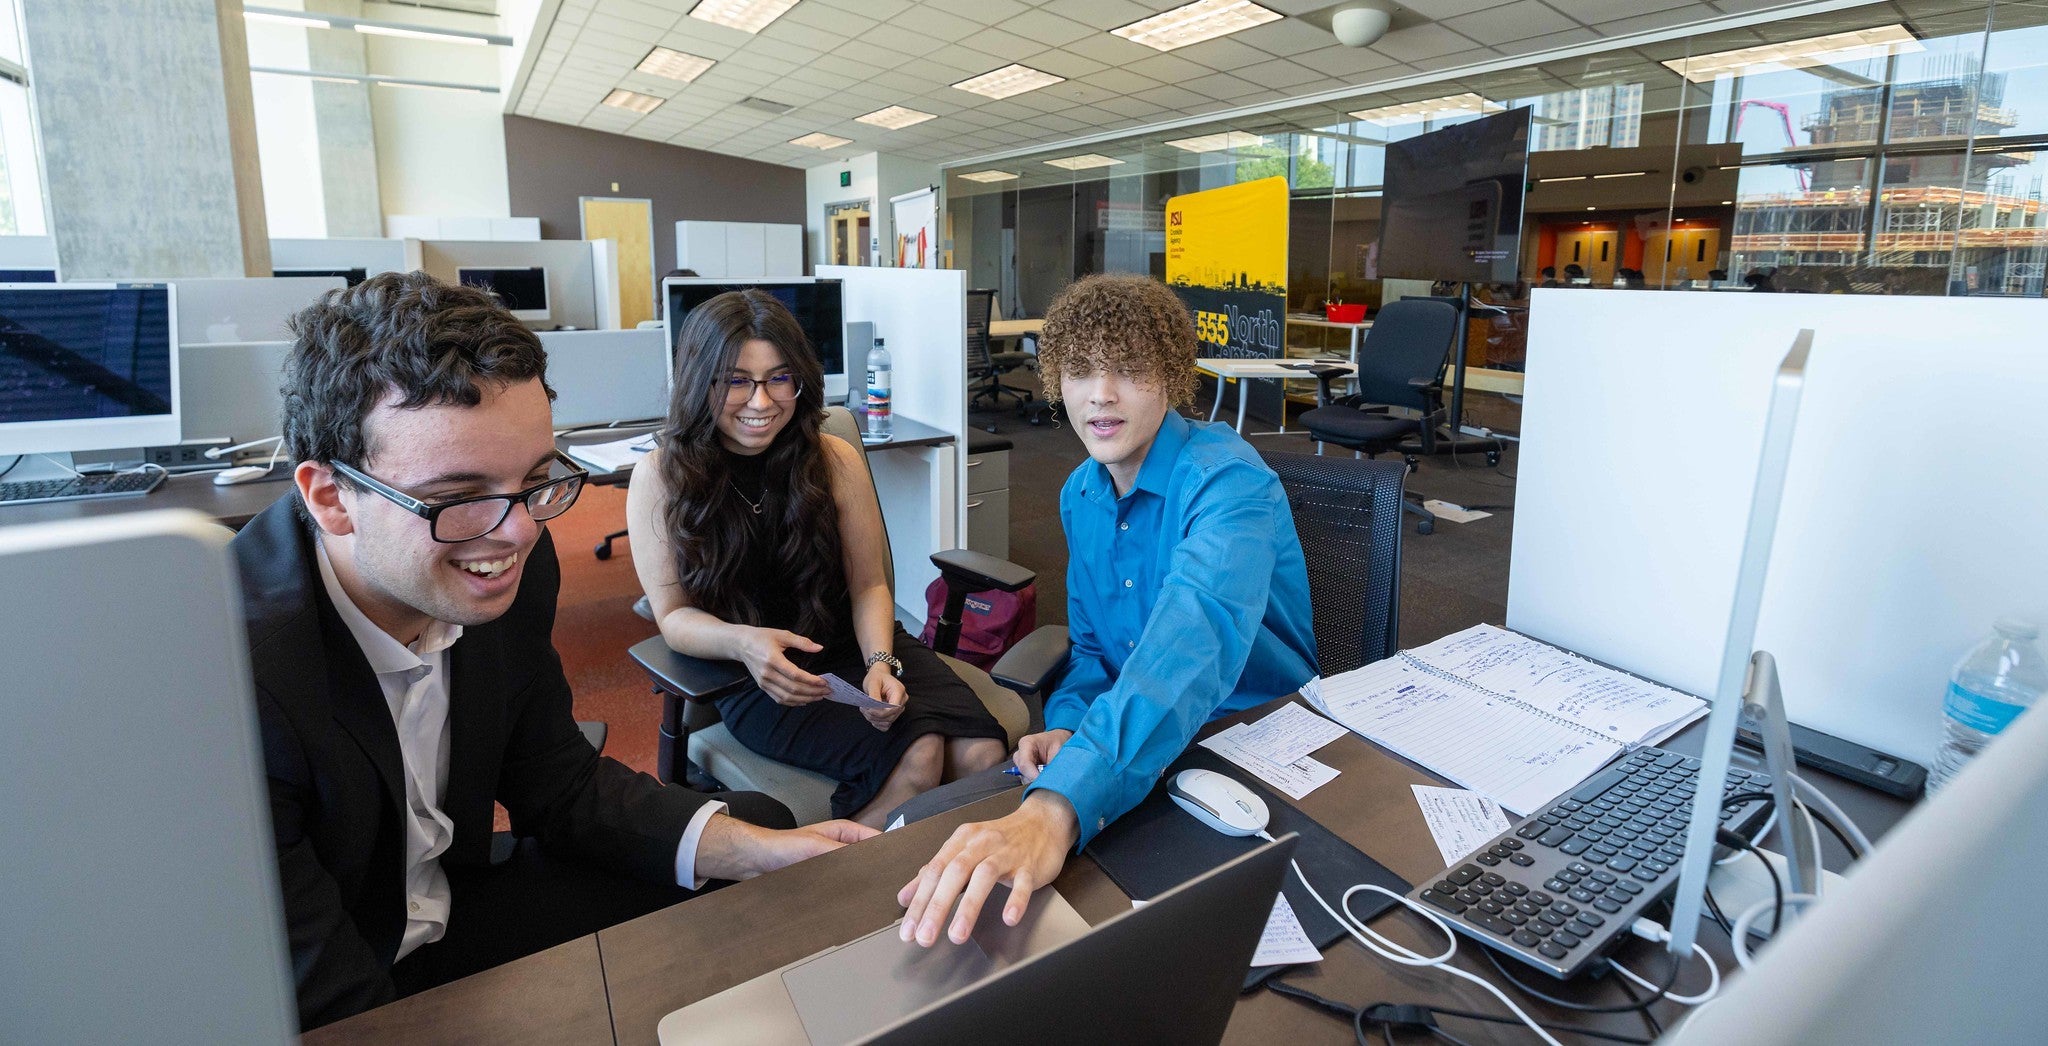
(1452, 208)
(815, 303)
(87, 366)
(523, 291)
(28, 275)
(353, 276)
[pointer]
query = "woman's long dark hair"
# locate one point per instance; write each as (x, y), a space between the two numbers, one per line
(710, 528)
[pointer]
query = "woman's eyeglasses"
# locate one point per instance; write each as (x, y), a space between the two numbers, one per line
(781, 387)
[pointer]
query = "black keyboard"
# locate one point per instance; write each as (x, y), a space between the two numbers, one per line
(75, 488)
(1557, 889)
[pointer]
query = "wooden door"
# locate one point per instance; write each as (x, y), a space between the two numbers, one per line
(1688, 252)
(631, 224)
(1598, 251)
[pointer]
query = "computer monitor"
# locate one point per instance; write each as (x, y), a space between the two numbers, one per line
(142, 902)
(353, 276)
(601, 377)
(245, 308)
(816, 304)
(230, 390)
(523, 291)
(28, 275)
(87, 366)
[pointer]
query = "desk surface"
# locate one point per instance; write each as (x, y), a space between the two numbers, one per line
(658, 963)
(1014, 328)
(232, 505)
(1236, 368)
(1301, 319)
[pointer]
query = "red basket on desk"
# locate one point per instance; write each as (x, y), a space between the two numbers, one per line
(1344, 313)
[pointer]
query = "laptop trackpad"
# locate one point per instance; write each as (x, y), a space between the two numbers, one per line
(849, 992)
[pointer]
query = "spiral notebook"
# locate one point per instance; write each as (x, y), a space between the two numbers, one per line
(1517, 720)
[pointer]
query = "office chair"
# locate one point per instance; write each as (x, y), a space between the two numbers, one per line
(1347, 513)
(987, 367)
(698, 749)
(1400, 364)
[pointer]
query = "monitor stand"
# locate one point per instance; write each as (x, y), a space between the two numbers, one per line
(1763, 703)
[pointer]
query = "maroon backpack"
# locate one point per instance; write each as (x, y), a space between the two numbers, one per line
(992, 622)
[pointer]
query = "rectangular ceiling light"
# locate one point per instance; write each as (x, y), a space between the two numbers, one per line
(821, 140)
(1216, 143)
(895, 117)
(1833, 49)
(1411, 112)
(1009, 80)
(439, 36)
(747, 16)
(1621, 174)
(640, 103)
(989, 176)
(1083, 162)
(1194, 23)
(297, 21)
(674, 65)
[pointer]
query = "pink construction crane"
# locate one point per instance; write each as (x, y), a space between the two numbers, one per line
(1784, 114)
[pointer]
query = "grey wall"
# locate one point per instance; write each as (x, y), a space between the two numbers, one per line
(572, 276)
(549, 165)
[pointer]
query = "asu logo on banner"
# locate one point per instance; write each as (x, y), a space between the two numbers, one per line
(1226, 256)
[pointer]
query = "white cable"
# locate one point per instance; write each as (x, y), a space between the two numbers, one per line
(1819, 799)
(216, 453)
(1739, 935)
(1713, 979)
(1397, 953)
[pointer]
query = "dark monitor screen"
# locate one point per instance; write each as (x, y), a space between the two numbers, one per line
(83, 353)
(353, 276)
(815, 305)
(28, 275)
(521, 289)
(1452, 208)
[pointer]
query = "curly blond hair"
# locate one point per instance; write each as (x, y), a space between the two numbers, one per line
(1132, 326)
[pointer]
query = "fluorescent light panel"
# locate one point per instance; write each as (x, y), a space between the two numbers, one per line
(1411, 112)
(620, 98)
(989, 176)
(895, 117)
(297, 21)
(821, 140)
(1621, 174)
(674, 65)
(1083, 162)
(1216, 143)
(1194, 23)
(420, 34)
(747, 16)
(1009, 80)
(1835, 48)
(321, 20)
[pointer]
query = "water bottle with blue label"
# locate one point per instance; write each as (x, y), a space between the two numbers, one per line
(878, 392)
(1989, 689)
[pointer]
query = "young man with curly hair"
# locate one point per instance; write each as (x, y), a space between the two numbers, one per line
(1187, 598)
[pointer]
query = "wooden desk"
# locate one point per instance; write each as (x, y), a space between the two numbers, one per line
(1241, 371)
(1014, 328)
(231, 506)
(1357, 330)
(661, 962)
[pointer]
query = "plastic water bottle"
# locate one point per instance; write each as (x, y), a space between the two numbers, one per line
(878, 390)
(1989, 689)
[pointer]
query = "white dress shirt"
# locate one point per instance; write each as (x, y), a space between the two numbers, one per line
(414, 679)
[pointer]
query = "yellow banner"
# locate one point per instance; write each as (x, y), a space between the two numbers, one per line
(1226, 256)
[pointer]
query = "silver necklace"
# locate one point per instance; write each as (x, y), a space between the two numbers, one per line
(751, 503)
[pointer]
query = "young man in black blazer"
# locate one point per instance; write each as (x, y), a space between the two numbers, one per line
(399, 604)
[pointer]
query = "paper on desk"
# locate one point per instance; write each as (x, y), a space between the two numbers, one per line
(616, 455)
(1459, 820)
(1290, 733)
(1454, 513)
(1284, 943)
(847, 694)
(1297, 779)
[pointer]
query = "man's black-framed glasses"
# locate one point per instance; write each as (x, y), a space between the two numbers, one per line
(466, 519)
(781, 387)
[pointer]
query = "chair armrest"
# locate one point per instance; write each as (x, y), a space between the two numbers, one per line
(968, 571)
(1325, 378)
(690, 677)
(1033, 664)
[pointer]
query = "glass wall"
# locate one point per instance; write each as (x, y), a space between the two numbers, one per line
(1886, 149)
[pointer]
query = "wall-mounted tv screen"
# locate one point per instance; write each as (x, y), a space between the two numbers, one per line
(1452, 207)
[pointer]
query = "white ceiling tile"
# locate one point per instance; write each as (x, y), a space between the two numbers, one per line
(1439, 9)
(1567, 38)
(1225, 54)
(1594, 11)
(1341, 61)
(1110, 50)
(782, 30)
(867, 54)
(1278, 74)
(903, 41)
(1222, 85)
(782, 60)
(1127, 106)
(843, 66)
(1516, 21)
(1007, 46)
(1423, 41)
(1657, 20)
(1066, 63)
(938, 24)
(820, 78)
(645, 14)
(983, 11)
(1048, 29)
(832, 19)
(1101, 14)
(1121, 81)
(1288, 36)
(1167, 68)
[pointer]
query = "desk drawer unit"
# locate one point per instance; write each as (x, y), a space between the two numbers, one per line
(988, 500)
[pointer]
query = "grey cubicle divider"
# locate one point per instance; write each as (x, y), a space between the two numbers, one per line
(372, 255)
(229, 390)
(252, 308)
(572, 275)
(604, 376)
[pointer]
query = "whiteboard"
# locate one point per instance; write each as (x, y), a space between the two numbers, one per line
(1915, 510)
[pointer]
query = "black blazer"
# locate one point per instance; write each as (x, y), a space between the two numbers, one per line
(336, 794)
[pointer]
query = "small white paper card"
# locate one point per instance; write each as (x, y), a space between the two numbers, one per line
(1454, 513)
(1297, 779)
(847, 694)
(1290, 733)
(1460, 820)
(1284, 943)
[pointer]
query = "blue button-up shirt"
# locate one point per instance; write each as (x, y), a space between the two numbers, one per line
(1187, 599)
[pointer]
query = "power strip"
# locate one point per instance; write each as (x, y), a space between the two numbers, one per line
(1739, 884)
(187, 456)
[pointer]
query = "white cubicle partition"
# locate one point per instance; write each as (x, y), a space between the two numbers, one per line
(28, 252)
(921, 314)
(253, 308)
(1913, 513)
(370, 255)
(600, 377)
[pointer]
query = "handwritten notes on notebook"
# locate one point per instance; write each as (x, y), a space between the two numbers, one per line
(1515, 719)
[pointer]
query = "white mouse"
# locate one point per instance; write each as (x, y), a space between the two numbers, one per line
(240, 474)
(1218, 801)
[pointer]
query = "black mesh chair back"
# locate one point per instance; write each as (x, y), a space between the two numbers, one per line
(1347, 512)
(1410, 340)
(979, 305)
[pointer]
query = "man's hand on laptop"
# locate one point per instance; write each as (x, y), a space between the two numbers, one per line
(1025, 850)
(733, 849)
